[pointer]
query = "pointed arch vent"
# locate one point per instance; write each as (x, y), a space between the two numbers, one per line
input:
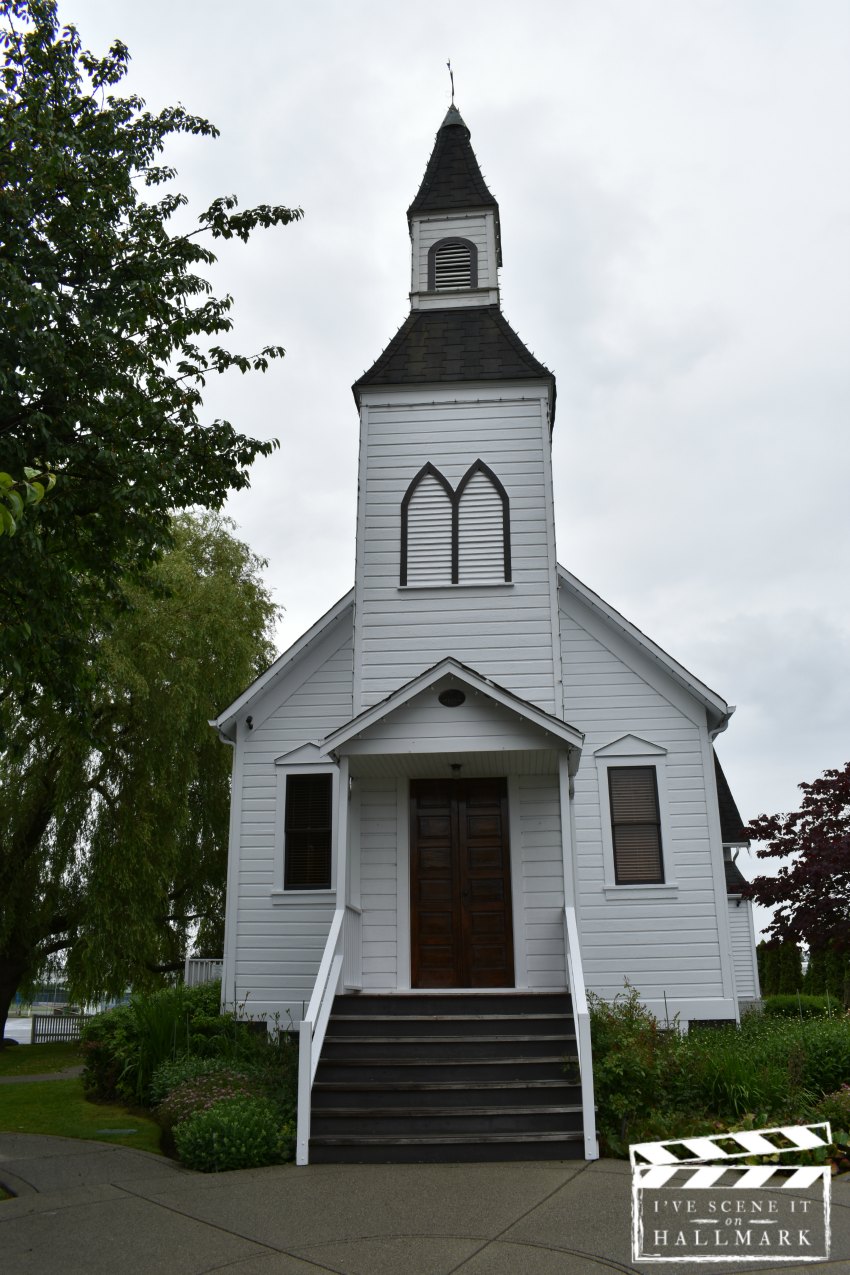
(452, 264)
(455, 537)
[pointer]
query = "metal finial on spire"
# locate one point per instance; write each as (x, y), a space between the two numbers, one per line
(452, 78)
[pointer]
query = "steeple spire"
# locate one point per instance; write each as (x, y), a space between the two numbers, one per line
(453, 179)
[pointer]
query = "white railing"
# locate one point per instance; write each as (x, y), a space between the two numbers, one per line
(200, 970)
(340, 963)
(581, 1017)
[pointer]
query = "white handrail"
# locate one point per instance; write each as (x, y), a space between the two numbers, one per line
(342, 953)
(581, 1017)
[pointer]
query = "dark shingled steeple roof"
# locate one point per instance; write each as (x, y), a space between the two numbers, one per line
(453, 178)
(466, 343)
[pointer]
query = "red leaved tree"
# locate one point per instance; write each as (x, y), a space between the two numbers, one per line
(811, 894)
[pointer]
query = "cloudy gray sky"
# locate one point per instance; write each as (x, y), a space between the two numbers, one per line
(674, 193)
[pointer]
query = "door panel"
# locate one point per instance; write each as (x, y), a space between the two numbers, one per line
(461, 933)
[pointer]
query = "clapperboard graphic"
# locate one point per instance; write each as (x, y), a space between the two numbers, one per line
(693, 1199)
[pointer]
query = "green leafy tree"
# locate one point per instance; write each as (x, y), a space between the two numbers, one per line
(108, 332)
(114, 820)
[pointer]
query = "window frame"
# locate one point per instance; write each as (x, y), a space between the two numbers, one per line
(279, 889)
(447, 242)
(625, 754)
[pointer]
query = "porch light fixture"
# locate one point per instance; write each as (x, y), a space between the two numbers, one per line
(452, 698)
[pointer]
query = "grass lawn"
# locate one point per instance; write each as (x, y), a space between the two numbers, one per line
(58, 1107)
(36, 1060)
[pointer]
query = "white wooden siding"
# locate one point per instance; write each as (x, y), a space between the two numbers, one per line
(481, 534)
(378, 882)
(472, 226)
(542, 884)
(429, 534)
(663, 940)
(503, 631)
(743, 949)
(274, 948)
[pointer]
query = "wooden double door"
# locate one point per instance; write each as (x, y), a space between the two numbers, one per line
(460, 884)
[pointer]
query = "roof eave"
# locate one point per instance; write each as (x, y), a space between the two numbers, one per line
(226, 721)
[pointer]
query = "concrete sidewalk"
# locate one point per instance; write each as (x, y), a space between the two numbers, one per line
(95, 1209)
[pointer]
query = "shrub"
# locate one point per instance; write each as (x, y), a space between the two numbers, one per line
(632, 1057)
(203, 1091)
(835, 1107)
(237, 1133)
(124, 1046)
(797, 1006)
(176, 1071)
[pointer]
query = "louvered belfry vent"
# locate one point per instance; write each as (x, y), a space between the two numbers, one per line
(635, 825)
(481, 532)
(452, 265)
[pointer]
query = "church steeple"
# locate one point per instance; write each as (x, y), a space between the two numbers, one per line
(454, 226)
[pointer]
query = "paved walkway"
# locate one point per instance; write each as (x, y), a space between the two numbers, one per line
(86, 1208)
(68, 1074)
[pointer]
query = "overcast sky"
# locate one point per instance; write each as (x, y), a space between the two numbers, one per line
(674, 190)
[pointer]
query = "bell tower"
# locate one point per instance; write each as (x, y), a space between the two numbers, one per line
(455, 533)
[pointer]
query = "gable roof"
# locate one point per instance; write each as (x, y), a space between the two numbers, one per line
(225, 723)
(562, 731)
(464, 343)
(731, 823)
(452, 178)
(719, 711)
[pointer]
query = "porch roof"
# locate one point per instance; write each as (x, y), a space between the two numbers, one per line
(508, 728)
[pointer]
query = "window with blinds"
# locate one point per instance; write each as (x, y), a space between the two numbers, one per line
(307, 832)
(635, 825)
(452, 264)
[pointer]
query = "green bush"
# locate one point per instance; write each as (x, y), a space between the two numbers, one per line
(797, 1006)
(835, 1107)
(203, 1091)
(124, 1046)
(632, 1061)
(176, 1071)
(237, 1133)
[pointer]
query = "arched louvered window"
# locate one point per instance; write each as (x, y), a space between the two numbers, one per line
(452, 264)
(455, 537)
(427, 519)
(483, 533)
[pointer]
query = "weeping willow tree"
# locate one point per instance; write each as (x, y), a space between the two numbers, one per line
(114, 816)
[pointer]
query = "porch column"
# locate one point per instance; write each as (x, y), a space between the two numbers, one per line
(342, 835)
(567, 837)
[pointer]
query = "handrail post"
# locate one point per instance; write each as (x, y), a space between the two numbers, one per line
(305, 1086)
(581, 1017)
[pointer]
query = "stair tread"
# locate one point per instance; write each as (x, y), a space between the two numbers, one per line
(437, 1139)
(446, 1062)
(415, 1085)
(429, 1112)
(442, 1018)
(443, 1040)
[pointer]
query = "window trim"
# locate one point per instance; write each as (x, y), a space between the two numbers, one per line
(447, 242)
(313, 893)
(636, 753)
(454, 495)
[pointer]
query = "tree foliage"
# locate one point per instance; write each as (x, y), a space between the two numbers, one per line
(113, 821)
(811, 893)
(108, 333)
